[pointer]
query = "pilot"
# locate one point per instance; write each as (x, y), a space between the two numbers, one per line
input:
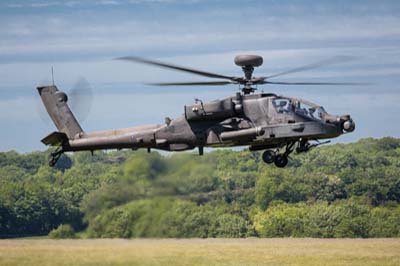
(283, 107)
(311, 111)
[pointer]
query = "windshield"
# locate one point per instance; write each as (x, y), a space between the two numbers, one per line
(283, 105)
(309, 110)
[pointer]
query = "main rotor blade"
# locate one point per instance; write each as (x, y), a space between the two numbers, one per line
(192, 83)
(329, 61)
(175, 67)
(315, 83)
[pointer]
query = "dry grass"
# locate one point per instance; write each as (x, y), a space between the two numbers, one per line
(201, 252)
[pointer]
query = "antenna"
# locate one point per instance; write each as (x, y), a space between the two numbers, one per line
(52, 75)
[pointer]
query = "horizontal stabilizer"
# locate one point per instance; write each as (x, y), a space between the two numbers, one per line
(54, 139)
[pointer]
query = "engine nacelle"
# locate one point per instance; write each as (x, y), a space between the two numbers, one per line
(212, 111)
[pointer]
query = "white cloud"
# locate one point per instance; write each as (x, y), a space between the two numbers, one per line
(108, 2)
(86, 33)
(42, 4)
(72, 3)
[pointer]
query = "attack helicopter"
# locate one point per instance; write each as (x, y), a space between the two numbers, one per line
(277, 124)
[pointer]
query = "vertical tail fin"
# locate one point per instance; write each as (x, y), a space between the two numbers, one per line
(56, 105)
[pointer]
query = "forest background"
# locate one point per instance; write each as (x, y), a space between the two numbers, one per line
(340, 190)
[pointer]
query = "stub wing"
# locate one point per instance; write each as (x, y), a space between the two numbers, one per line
(55, 139)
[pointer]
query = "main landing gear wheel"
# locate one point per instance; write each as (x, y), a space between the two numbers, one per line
(281, 160)
(268, 156)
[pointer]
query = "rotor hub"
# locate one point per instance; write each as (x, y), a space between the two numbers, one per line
(248, 60)
(248, 89)
(248, 63)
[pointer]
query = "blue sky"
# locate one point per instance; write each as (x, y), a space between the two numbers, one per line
(80, 38)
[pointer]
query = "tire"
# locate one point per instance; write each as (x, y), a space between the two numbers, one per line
(281, 161)
(52, 162)
(268, 157)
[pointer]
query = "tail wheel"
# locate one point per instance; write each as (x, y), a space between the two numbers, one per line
(268, 156)
(52, 162)
(54, 156)
(281, 160)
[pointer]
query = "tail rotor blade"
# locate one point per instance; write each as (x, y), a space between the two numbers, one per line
(81, 98)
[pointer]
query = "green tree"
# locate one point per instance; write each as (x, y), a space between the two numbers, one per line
(62, 231)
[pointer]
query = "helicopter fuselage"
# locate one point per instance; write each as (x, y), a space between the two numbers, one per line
(262, 121)
(252, 120)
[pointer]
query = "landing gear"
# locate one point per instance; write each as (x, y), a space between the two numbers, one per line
(268, 156)
(54, 156)
(281, 160)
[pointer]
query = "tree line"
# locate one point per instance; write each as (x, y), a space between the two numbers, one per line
(340, 190)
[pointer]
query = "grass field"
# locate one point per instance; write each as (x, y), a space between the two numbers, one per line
(201, 252)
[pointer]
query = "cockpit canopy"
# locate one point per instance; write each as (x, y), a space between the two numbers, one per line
(287, 105)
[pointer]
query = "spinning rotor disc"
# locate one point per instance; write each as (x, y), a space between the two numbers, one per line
(247, 63)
